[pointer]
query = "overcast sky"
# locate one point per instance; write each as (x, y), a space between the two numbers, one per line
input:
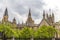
(20, 8)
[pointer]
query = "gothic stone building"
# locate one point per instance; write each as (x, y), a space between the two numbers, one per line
(47, 20)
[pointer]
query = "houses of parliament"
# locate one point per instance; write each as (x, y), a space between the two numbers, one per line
(47, 20)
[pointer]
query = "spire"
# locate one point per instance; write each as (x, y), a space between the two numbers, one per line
(6, 12)
(29, 13)
(43, 14)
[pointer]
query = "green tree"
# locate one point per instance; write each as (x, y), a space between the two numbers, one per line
(26, 32)
(45, 32)
(8, 30)
(1, 27)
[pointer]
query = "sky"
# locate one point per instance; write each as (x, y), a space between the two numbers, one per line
(20, 9)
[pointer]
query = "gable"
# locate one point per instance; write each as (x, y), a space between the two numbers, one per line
(44, 22)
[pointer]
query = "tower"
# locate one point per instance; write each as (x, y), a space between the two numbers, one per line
(5, 17)
(29, 21)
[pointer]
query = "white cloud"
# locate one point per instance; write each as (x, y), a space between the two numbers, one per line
(20, 8)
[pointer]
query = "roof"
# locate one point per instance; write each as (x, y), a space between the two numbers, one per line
(45, 21)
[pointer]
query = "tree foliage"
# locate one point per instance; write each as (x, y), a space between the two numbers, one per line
(26, 32)
(45, 32)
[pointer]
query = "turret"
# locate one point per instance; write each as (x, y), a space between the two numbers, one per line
(44, 14)
(53, 17)
(14, 21)
(47, 15)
